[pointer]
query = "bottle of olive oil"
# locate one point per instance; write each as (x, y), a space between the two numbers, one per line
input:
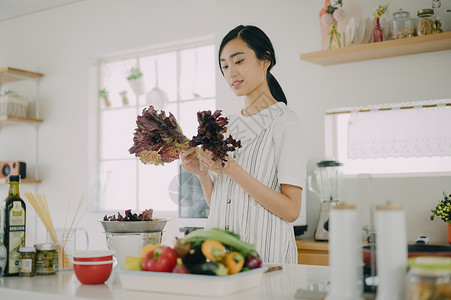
(14, 220)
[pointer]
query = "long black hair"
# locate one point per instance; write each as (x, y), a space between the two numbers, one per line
(258, 41)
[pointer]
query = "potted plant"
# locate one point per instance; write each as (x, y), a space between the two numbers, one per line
(124, 97)
(443, 211)
(136, 81)
(104, 95)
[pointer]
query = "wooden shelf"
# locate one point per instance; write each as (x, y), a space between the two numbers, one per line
(26, 180)
(8, 74)
(392, 48)
(18, 119)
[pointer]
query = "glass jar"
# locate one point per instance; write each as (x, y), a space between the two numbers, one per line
(426, 21)
(27, 261)
(46, 258)
(403, 25)
(429, 278)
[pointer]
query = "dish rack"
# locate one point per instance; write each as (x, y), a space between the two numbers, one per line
(13, 106)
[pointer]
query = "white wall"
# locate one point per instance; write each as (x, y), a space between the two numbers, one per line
(63, 43)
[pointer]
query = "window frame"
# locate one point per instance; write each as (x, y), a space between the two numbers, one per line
(336, 146)
(96, 110)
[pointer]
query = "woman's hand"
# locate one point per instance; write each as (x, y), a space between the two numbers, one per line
(191, 163)
(206, 162)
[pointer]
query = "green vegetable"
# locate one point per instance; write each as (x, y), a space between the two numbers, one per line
(223, 236)
(209, 268)
(194, 256)
(210, 134)
(158, 139)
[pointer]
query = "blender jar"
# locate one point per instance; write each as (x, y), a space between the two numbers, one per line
(329, 181)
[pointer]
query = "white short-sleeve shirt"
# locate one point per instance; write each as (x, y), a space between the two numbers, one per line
(274, 152)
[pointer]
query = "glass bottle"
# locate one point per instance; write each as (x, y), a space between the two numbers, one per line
(437, 24)
(14, 220)
(378, 32)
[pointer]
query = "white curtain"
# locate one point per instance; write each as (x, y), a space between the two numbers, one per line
(396, 130)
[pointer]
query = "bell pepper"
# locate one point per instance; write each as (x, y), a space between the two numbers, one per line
(213, 250)
(234, 261)
(161, 259)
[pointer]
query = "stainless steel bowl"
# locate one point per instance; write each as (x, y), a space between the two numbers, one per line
(156, 225)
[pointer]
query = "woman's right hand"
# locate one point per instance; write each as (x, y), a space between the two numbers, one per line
(191, 163)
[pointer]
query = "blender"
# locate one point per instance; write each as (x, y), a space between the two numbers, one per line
(329, 189)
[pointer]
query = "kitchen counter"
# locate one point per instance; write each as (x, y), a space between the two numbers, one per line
(282, 284)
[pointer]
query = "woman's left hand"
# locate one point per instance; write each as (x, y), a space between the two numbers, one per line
(206, 162)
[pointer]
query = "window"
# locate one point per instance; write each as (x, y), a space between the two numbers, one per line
(187, 77)
(402, 138)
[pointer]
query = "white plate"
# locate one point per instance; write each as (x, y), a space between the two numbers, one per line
(351, 25)
(349, 32)
(190, 284)
(368, 32)
(347, 36)
(360, 28)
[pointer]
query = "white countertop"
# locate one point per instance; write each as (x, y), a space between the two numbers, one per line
(281, 284)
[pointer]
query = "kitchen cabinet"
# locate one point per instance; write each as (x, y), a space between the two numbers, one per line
(385, 49)
(281, 284)
(311, 252)
(8, 75)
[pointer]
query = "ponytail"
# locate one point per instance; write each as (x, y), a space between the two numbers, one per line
(275, 88)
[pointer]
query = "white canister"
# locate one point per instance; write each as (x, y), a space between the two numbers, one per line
(345, 253)
(391, 252)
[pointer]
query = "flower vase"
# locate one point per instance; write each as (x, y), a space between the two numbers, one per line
(378, 32)
(325, 29)
(334, 38)
(449, 233)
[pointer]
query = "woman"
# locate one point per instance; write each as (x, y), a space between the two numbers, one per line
(258, 192)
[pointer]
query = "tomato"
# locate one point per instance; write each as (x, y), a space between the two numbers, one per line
(161, 259)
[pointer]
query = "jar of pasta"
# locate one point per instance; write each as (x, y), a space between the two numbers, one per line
(427, 24)
(429, 278)
(403, 25)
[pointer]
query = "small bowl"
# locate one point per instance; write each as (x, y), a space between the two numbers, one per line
(93, 267)
(93, 272)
